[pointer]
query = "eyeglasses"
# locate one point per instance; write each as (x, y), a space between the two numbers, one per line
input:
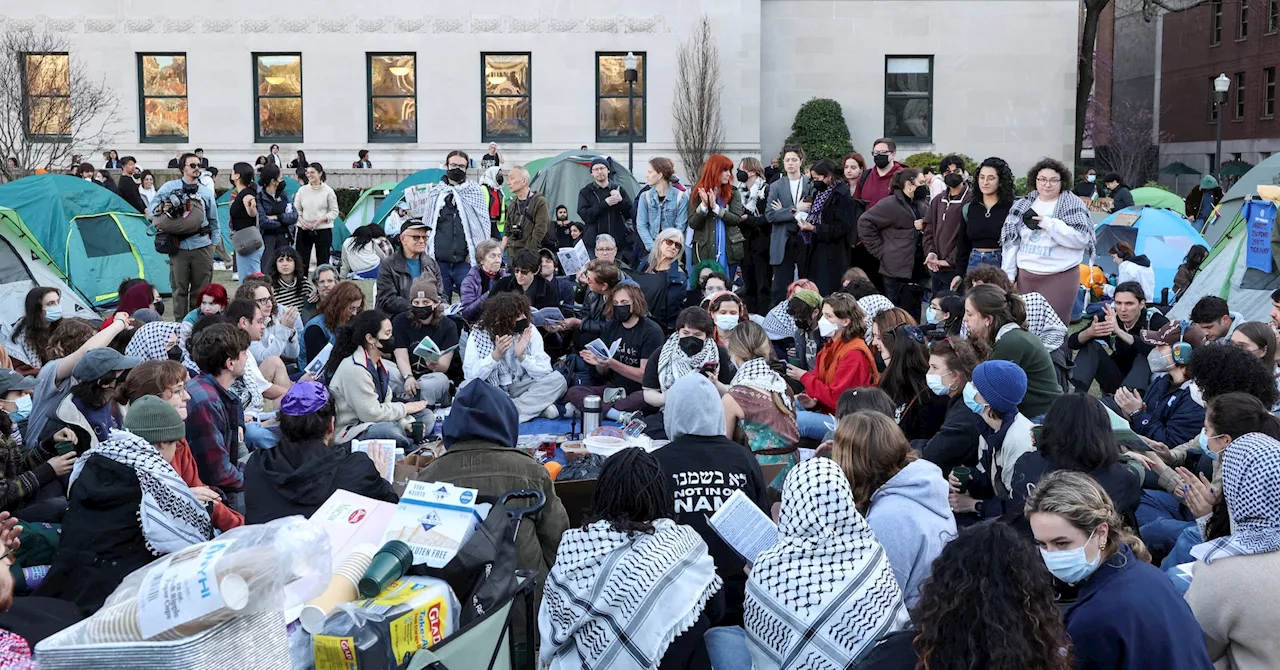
(1048, 181)
(193, 165)
(266, 302)
(599, 249)
(522, 271)
(416, 238)
(455, 166)
(671, 241)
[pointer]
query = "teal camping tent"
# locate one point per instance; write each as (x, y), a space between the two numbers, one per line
(1160, 234)
(395, 195)
(1226, 273)
(92, 235)
(1225, 214)
(290, 188)
(362, 212)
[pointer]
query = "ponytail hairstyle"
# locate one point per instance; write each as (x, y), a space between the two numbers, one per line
(1080, 500)
(900, 180)
(664, 167)
(270, 172)
(350, 338)
(1003, 306)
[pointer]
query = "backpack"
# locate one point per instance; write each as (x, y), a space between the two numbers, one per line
(181, 222)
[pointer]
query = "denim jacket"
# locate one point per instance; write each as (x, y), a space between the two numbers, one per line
(197, 241)
(652, 218)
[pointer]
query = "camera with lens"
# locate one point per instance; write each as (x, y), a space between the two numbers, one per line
(934, 331)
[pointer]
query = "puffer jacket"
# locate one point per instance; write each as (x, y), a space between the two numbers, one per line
(888, 231)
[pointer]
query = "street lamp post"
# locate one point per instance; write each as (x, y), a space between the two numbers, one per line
(1220, 86)
(631, 76)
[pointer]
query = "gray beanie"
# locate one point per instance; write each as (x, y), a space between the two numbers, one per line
(154, 420)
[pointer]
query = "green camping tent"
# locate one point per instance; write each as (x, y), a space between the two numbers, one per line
(92, 236)
(362, 212)
(1158, 197)
(563, 176)
(24, 265)
(1225, 214)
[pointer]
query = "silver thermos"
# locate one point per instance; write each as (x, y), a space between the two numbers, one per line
(590, 414)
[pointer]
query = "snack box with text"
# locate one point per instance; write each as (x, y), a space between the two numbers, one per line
(435, 519)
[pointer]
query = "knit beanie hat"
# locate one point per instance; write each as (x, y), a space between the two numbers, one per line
(154, 420)
(425, 285)
(810, 298)
(1001, 383)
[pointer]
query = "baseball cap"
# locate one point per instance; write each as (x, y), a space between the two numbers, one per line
(96, 363)
(1172, 333)
(12, 381)
(415, 223)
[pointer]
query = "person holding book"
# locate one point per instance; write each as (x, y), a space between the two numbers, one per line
(526, 279)
(619, 358)
(506, 350)
(425, 341)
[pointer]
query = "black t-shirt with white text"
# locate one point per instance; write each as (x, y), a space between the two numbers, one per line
(642, 341)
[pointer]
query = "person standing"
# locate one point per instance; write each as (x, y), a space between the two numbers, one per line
(826, 227)
(243, 214)
(888, 230)
(204, 162)
(943, 226)
(191, 266)
(715, 211)
(456, 220)
(127, 187)
(274, 158)
(1088, 189)
(757, 274)
(491, 159)
(563, 233)
(603, 205)
(362, 160)
(787, 196)
(662, 205)
(1121, 195)
(300, 165)
(317, 207)
(276, 214)
(877, 184)
(528, 219)
(978, 242)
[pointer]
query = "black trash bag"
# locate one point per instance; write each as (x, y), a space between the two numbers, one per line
(586, 467)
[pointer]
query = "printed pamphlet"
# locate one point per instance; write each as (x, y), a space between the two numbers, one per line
(743, 526)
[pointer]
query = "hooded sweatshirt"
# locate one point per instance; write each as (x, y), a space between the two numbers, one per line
(297, 477)
(912, 519)
(704, 468)
(1138, 269)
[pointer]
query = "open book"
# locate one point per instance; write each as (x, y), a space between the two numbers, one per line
(743, 526)
(601, 350)
(547, 316)
(574, 259)
(428, 350)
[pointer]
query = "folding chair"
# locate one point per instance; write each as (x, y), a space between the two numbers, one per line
(486, 643)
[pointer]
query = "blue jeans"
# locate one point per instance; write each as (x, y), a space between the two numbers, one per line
(451, 277)
(258, 436)
(249, 265)
(977, 258)
(814, 425)
(727, 647)
(1181, 553)
(1161, 519)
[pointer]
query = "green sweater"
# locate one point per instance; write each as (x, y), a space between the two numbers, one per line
(1029, 353)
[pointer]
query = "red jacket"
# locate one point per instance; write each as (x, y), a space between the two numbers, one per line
(841, 366)
(224, 518)
(875, 188)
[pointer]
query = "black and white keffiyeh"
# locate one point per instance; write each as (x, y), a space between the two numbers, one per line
(616, 600)
(505, 372)
(1251, 483)
(171, 517)
(1070, 209)
(1042, 322)
(152, 341)
(872, 305)
(778, 324)
(757, 374)
(469, 198)
(674, 364)
(825, 592)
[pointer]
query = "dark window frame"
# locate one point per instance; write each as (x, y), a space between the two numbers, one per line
(1273, 17)
(1240, 91)
(1215, 22)
(143, 138)
(1269, 92)
(27, 97)
(643, 98)
(385, 137)
(1242, 21)
(485, 135)
(908, 139)
(258, 137)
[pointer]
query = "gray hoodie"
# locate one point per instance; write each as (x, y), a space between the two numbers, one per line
(912, 519)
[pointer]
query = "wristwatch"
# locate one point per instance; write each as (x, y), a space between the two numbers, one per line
(979, 507)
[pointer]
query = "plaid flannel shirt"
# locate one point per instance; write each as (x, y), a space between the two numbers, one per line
(24, 473)
(214, 419)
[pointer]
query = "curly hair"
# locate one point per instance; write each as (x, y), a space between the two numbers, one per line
(285, 252)
(70, 334)
(1064, 172)
(334, 306)
(631, 493)
(844, 306)
(987, 274)
(1224, 368)
(989, 603)
(501, 312)
(1005, 183)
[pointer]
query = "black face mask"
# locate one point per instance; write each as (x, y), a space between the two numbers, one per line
(921, 193)
(158, 307)
(691, 345)
(953, 180)
(881, 160)
(621, 313)
(457, 175)
(386, 345)
(820, 186)
(422, 313)
(521, 326)
(175, 353)
(500, 179)
(742, 176)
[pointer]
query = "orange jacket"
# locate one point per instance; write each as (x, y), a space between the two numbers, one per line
(841, 366)
(223, 518)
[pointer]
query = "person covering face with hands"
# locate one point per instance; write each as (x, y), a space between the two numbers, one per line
(506, 351)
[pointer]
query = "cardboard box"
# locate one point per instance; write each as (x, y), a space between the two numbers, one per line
(350, 519)
(407, 470)
(435, 519)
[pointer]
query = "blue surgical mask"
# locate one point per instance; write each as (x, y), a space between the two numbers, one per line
(970, 398)
(1091, 178)
(936, 384)
(52, 314)
(23, 408)
(930, 315)
(727, 322)
(1071, 565)
(1203, 439)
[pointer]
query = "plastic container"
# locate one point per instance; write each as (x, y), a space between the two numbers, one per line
(388, 565)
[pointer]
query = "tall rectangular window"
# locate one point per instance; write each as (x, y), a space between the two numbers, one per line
(506, 104)
(1243, 30)
(614, 111)
(46, 88)
(277, 96)
(1239, 95)
(162, 97)
(1215, 22)
(1269, 93)
(1273, 16)
(908, 98)
(393, 97)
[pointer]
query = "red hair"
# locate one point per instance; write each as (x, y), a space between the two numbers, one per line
(715, 166)
(800, 284)
(215, 291)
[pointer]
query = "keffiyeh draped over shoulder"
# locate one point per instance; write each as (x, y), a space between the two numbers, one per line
(1251, 483)
(674, 364)
(152, 341)
(616, 600)
(757, 374)
(1070, 209)
(825, 592)
(171, 517)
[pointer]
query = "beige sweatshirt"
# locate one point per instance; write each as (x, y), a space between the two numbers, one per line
(316, 203)
(1234, 599)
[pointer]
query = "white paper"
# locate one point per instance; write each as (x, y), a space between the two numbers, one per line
(546, 315)
(184, 589)
(416, 198)
(597, 347)
(743, 526)
(574, 259)
(381, 452)
(316, 366)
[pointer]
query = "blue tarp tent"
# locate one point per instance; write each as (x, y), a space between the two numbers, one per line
(427, 176)
(1161, 235)
(92, 235)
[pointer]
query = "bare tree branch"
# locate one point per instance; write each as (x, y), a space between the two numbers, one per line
(699, 126)
(1131, 151)
(50, 108)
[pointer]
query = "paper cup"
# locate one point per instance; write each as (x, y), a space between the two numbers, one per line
(343, 588)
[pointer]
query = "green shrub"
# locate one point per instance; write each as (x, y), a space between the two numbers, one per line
(347, 198)
(1156, 184)
(820, 130)
(1020, 186)
(933, 160)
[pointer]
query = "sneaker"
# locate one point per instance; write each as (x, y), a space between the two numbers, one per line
(551, 412)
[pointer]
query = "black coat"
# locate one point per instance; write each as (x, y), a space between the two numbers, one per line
(128, 189)
(829, 253)
(102, 539)
(1120, 480)
(956, 442)
(296, 478)
(540, 293)
(599, 217)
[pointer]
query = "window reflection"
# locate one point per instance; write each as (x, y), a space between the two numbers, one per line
(508, 113)
(279, 95)
(393, 92)
(613, 121)
(47, 88)
(164, 95)
(908, 106)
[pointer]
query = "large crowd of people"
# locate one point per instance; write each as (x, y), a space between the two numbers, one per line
(882, 360)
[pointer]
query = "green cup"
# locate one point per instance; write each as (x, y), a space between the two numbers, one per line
(963, 475)
(388, 565)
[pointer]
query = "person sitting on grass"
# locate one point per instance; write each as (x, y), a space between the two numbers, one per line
(424, 378)
(360, 381)
(506, 350)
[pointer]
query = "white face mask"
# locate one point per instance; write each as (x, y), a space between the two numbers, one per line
(826, 328)
(727, 322)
